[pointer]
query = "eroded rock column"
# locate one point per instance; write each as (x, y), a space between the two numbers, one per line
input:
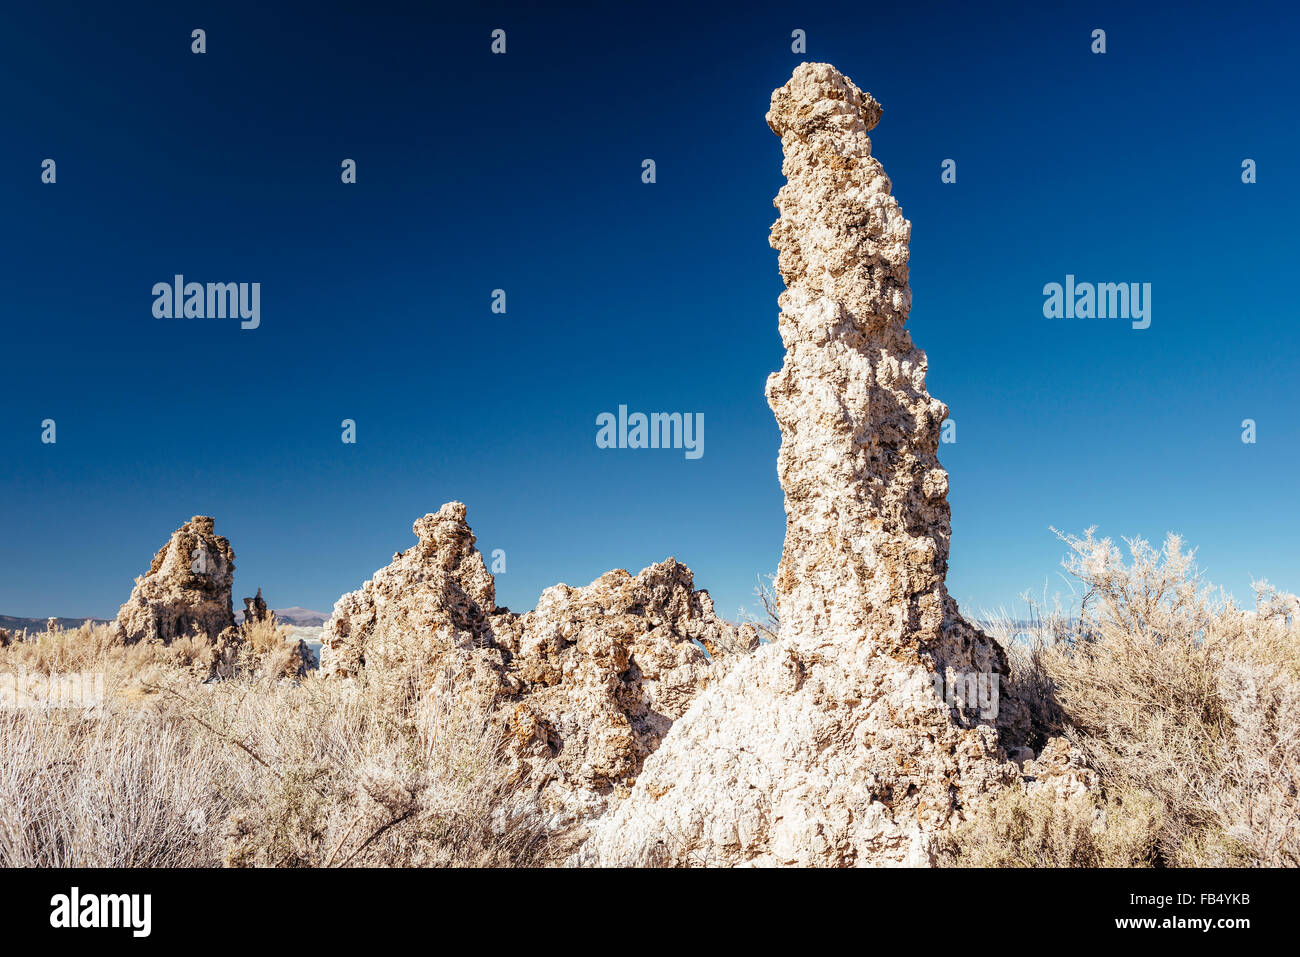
(832, 746)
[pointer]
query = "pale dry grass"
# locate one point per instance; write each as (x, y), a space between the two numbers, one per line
(80, 649)
(120, 790)
(255, 769)
(341, 774)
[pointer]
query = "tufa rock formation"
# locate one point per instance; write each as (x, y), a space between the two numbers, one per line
(255, 608)
(585, 686)
(832, 746)
(301, 659)
(436, 594)
(186, 590)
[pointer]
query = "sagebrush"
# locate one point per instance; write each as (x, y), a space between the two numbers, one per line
(1183, 702)
(254, 769)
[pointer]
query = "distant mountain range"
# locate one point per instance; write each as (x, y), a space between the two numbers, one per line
(9, 623)
(300, 617)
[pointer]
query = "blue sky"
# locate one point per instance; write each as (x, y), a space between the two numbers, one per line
(523, 172)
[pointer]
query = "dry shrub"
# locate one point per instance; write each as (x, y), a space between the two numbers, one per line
(253, 771)
(1017, 828)
(341, 775)
(267, 647)
(63, 650)
(174, 768)
(99, 650)
(768, 623)
(124, 789)
(255, 646)
(1174, 692)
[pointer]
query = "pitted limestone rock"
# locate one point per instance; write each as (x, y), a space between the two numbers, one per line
(186, 590)
(832, 746)
(255, 608)
(585, 685)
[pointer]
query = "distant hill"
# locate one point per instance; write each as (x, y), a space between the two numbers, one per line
(9, 623)
(302, 617)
